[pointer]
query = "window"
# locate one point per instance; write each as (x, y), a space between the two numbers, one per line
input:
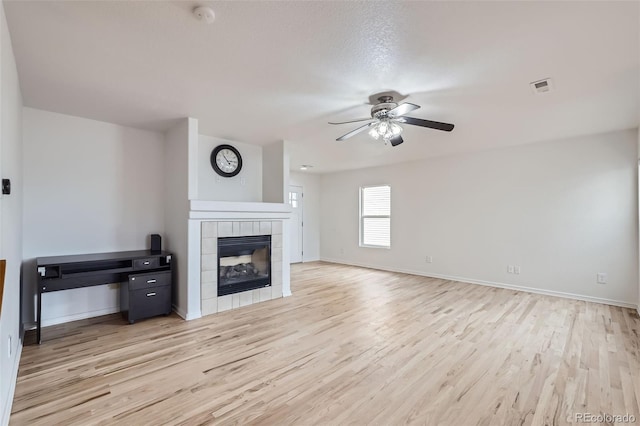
(293, 199)
(375, 216)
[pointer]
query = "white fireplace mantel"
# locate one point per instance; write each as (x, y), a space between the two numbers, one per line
(236, 210)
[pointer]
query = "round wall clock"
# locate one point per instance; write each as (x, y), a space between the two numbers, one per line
(226, 160)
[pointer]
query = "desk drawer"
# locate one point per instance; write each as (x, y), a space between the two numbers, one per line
(149, 302)
(146, 263)
(154, 279)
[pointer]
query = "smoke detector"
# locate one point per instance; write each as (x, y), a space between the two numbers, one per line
(541, 86)
(204, 13)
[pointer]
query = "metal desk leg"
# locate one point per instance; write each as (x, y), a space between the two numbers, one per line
(39, 320)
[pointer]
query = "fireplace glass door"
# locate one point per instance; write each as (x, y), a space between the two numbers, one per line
(244, 263)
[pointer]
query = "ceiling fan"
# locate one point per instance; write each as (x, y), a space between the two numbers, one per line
(386, 119)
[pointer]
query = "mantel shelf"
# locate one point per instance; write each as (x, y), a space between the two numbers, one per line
(239, 206)
(238, 210)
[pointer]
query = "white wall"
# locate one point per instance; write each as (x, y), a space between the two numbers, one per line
(176, 205)
(275, 172)
(89, 187)
(562, 210)
(181, 182)
(310, 184)
(245, 186)
(10, 218)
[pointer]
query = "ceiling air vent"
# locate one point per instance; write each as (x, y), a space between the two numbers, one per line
(542, 86)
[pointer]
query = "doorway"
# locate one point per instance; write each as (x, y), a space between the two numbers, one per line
(295, 200)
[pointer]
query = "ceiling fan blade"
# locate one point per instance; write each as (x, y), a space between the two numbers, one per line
(402, 109)
(352, 121)
(396, 140)
(427, 123)
(354, 132)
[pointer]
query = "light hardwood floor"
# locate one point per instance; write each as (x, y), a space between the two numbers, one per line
(351, 346)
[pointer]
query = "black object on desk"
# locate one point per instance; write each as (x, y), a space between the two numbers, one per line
(156, 243)
(140, 301)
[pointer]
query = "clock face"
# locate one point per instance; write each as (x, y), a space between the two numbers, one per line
(226, 160)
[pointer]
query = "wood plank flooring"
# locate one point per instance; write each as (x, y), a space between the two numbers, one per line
(351, 346)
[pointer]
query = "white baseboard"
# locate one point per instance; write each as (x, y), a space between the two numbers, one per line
(6, 410)
(85, 315)
(182, 314)
(286, 293)
(495, 284)
(185, 316)
(193, 315)
(100, 312)
(80, 316)
(97, 313)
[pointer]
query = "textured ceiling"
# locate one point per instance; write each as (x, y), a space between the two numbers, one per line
(266, 71)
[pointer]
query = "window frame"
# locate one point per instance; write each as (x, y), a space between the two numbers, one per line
(362, 216)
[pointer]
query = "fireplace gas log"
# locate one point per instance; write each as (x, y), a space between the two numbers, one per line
(241, 270)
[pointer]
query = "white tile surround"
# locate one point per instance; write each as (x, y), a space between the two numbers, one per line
(210, 220)
(211, 231)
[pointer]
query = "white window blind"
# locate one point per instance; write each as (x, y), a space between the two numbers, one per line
(375, 216)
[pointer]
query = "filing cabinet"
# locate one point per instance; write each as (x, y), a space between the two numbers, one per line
(146, 295)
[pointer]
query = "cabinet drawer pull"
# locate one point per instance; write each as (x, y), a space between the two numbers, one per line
(151, 281)
(146, 263)
(150, 294)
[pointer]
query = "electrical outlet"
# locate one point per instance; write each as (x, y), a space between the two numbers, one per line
(601, 278)
(516, 270)
(510, 269)
(429, 259)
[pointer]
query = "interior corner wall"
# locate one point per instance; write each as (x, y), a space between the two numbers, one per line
(275, 172)
(245, 186)
(638, 146)
(10, 218)
(193, 142)
(310, 184)
(286, 173)
(562, 210)
(89, 187)
(176, 205)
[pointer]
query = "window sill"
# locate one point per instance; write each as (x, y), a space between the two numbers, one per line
(375, 247)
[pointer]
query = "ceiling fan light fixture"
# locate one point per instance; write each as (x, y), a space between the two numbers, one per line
(385, 129)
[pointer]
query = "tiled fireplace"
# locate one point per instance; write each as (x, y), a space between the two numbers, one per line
(211, 231)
